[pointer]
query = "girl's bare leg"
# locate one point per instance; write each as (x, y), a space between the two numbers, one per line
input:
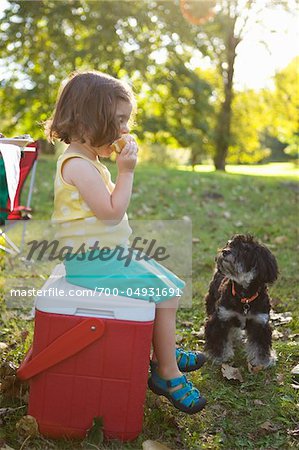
(164, 339)
(164, 354)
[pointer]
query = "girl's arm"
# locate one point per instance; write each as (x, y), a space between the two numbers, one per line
(92, 188)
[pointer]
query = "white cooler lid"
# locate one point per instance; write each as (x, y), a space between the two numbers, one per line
(57, 296)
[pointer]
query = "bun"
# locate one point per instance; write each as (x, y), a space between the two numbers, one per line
(118, 145)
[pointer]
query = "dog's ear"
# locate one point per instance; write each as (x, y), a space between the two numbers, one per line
(266, 265)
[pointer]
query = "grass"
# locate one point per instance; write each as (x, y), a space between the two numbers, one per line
(289, 169)
(262, 203)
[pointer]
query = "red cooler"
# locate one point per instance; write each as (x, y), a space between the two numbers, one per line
(89, 358)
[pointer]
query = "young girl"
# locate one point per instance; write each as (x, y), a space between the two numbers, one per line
(92, 111)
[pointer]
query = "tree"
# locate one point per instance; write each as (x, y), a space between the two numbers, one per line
(47, 41)
(224, 33)
(283, 105)
(179, 111)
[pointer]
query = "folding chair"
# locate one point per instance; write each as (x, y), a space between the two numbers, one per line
(28, 163)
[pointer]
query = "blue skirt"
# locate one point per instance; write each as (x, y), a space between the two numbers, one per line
(130, 276)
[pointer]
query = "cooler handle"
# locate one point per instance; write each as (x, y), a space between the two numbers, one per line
(66, 345)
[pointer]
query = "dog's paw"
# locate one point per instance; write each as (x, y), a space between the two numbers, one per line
(257, 364)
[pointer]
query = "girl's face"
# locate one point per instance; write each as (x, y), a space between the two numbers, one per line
(123, 113)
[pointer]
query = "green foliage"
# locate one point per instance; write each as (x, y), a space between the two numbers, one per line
(46, 41)
(153, 46)
(180, 110)
(250, 118)
(163, 156)
(283, 104)
(266, 119)
(107, 36)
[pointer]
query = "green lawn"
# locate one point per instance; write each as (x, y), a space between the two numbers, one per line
(261, 200)
(289, 169)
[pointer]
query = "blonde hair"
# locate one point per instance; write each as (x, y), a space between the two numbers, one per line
(86, 109)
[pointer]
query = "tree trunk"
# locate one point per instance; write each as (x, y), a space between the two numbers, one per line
(223, 132)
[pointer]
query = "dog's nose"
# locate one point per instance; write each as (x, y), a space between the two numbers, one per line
(226, 252)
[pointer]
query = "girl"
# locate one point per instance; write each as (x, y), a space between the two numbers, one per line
(92, 111)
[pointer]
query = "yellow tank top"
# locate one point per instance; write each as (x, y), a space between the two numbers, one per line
(75, 221)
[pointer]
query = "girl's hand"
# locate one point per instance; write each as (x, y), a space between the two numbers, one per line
(127, 159)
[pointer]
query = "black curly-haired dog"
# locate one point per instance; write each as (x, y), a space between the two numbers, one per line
(238, 299)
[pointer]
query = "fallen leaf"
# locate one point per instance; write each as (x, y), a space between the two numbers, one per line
(276, 335)
(222, 204)
(179, 338)
(295, 370)
(258, 403)
(280, 239)
(280, 378)
(239, 224)
(27, 316)
(201, 331)
(231, 373)
(3, 346)
(187, 324)
(269, 426)
(281, 318)
(293, 432)
(27, 426)
(154, 445)
(254, 369)
(199, 334)
(294, 336)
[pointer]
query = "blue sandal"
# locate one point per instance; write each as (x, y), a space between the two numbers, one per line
(187, 361)
(186, 398)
